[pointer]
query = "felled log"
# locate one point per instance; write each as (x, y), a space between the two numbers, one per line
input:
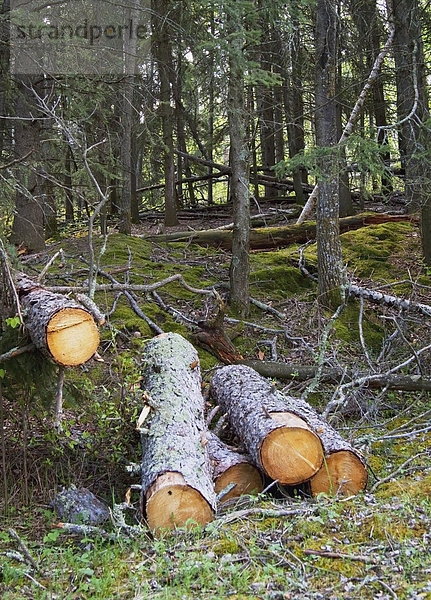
(343, 470)
(177, 485)
(230, 467)
(289, 371)
(276, 237)
(61, 328)
(279, 441)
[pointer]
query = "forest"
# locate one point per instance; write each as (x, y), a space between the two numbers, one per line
(215, 262)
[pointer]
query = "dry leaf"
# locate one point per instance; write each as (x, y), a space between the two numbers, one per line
(128, 494)
(261, 355)
(144, 414)
(194, 364)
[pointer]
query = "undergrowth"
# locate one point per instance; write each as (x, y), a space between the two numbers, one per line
(375, 545)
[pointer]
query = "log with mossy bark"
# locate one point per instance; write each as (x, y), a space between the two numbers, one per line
(276, 237)
(232, 468)
(281, 442)
(342, 471)
(58, 326)
(177, 487)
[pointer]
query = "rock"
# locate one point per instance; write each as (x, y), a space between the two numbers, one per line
(79, 505)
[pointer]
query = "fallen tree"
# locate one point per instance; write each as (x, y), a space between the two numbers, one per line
(177, 484)
(289, 372)
(275, 237)
(241, 392)
(58, 326)
(231, 467)
(279, 441)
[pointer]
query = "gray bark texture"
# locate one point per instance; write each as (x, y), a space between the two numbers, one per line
(249, 400)
(224, 458)
(175, 441)
(41, 306)
(241, 391)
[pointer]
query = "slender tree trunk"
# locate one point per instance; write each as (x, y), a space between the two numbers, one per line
(163, 55)
(413, 111)
(4, 73)
(28, 224)
(327, 223)
(239, 161)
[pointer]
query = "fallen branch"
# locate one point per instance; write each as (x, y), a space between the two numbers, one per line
(342, 555)
(16, 352)
(275, 237)
(297, 372)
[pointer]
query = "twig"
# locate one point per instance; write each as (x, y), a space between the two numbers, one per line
(211, 415)
(262, 512)
(342, 555)
(16, 160)
(268, 308)
(47, 266)
(24, 549)
(361, 334)
(394, 473)
(11, 281)
(59, 400)
(16, 352)
(224, 492)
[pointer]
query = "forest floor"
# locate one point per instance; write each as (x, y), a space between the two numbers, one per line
(277, 545)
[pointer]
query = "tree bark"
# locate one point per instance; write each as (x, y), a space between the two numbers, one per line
(239, 273)
(58, 326)
(177, 486)
(329, 257)
(231, 467)
(279, 441)
(242, 392)
(163, 54)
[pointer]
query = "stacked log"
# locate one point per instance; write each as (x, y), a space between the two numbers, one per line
(177, 487)
(280, 441)
(231, 468)
(59, 327)
(245, 395)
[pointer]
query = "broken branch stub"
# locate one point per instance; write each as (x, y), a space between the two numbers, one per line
(177, 487)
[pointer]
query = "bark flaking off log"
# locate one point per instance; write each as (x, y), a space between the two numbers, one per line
(283, 445)
(176, 475)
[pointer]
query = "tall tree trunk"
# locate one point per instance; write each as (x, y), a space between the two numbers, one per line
(28, 224)
(4, 72)
(413, 111)
(163, 55)
(327, 223)
(239, 161)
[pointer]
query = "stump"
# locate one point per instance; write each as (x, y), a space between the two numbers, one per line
(58, 326)
(177, 486)
(232, 467)
(283, 444)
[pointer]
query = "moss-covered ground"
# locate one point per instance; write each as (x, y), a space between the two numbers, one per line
(375, 545)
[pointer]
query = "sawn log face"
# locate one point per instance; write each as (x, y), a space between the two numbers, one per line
(176, 473)
(58, 326)
(283, 445)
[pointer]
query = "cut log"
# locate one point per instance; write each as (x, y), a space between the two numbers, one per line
(58, 326)
(276, 237)
(279, 441)
(289, 371)
(342, 472)
(230, 467)
(177, 487)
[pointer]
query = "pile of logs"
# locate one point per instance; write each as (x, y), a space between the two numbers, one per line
(185, 466)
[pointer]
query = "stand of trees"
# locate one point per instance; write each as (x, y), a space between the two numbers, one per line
(262, 90)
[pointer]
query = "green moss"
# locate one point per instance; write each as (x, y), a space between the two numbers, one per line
(226, 546)
(278, 281)
(347, 326)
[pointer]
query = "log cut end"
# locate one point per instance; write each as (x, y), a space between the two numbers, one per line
(246, 477)
(171, 503)
(342, 473)
(293, 453)
(72, 336)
